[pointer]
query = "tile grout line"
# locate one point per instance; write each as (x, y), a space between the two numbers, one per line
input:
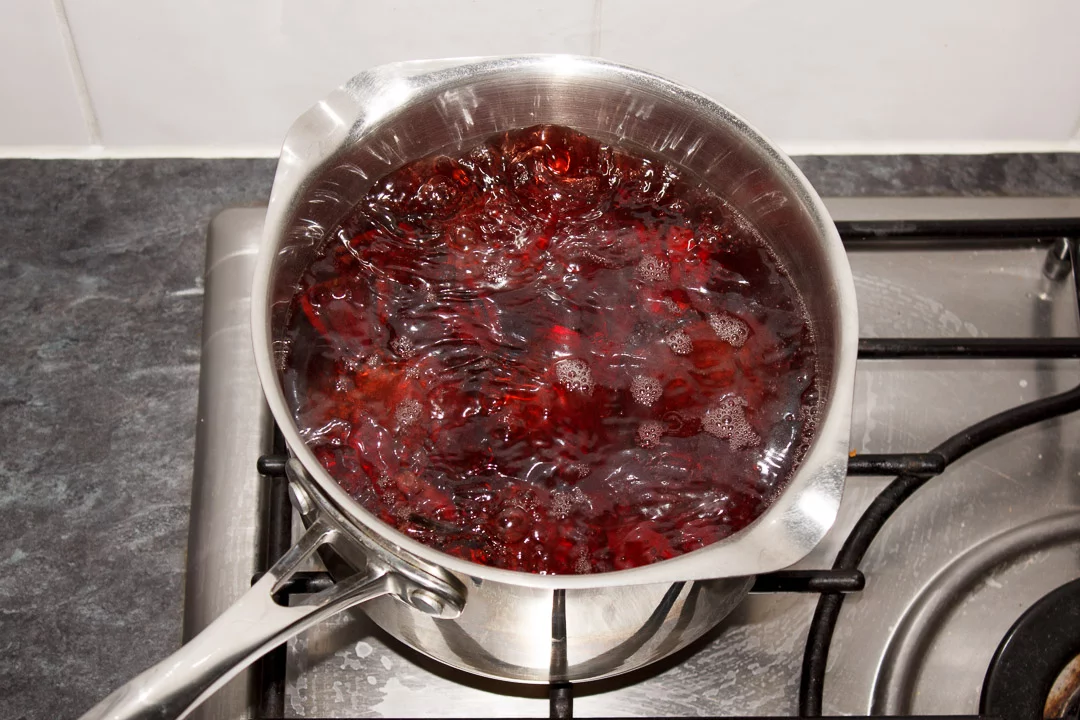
(82, 90)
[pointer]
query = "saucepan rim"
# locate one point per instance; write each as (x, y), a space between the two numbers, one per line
(804, 510)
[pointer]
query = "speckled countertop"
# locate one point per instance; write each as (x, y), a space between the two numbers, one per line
(100, 267)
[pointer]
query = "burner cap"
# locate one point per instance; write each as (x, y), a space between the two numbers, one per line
(1038, 655)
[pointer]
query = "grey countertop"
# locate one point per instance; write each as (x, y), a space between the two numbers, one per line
(100, 284)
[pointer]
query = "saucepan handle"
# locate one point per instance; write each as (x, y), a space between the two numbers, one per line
(257, 623)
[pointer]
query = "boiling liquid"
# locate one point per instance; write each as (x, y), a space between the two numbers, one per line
(551, 355)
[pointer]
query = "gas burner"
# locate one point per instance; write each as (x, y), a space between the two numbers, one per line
(970, 332)
(1035, 672)
(958, 615)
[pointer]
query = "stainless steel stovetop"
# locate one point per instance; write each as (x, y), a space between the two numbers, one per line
(945, 579)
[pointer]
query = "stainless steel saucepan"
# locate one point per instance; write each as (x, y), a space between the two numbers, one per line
(493, 622)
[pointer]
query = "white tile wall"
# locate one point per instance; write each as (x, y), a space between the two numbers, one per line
(238, 72)
(38, 100)
(850, 71)
(229, 76)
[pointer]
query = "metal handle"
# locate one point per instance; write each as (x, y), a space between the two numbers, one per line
(256, 623)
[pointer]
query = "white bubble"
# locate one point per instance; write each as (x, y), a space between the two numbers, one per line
(582, 566)
(653, 269)
(561, 505)
(574, 374)
(729, 328)
(727, 421)
(646, 390)
(679, 342)
(403, 346)
(498, 271)
(581, 470)
(408, 411)
(649, 433)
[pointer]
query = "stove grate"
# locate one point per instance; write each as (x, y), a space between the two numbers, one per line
(1061, 238)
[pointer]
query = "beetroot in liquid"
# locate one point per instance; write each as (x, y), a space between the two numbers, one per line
(551, 355)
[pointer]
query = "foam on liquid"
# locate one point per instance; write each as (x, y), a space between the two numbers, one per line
(552, 355)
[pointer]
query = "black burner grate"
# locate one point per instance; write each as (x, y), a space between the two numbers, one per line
(1061, 238)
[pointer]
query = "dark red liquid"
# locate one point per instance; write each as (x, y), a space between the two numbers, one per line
(551, 355)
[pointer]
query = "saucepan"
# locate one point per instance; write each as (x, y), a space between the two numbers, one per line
(494, 622)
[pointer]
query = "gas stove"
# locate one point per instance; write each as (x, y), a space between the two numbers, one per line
(955, 591)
